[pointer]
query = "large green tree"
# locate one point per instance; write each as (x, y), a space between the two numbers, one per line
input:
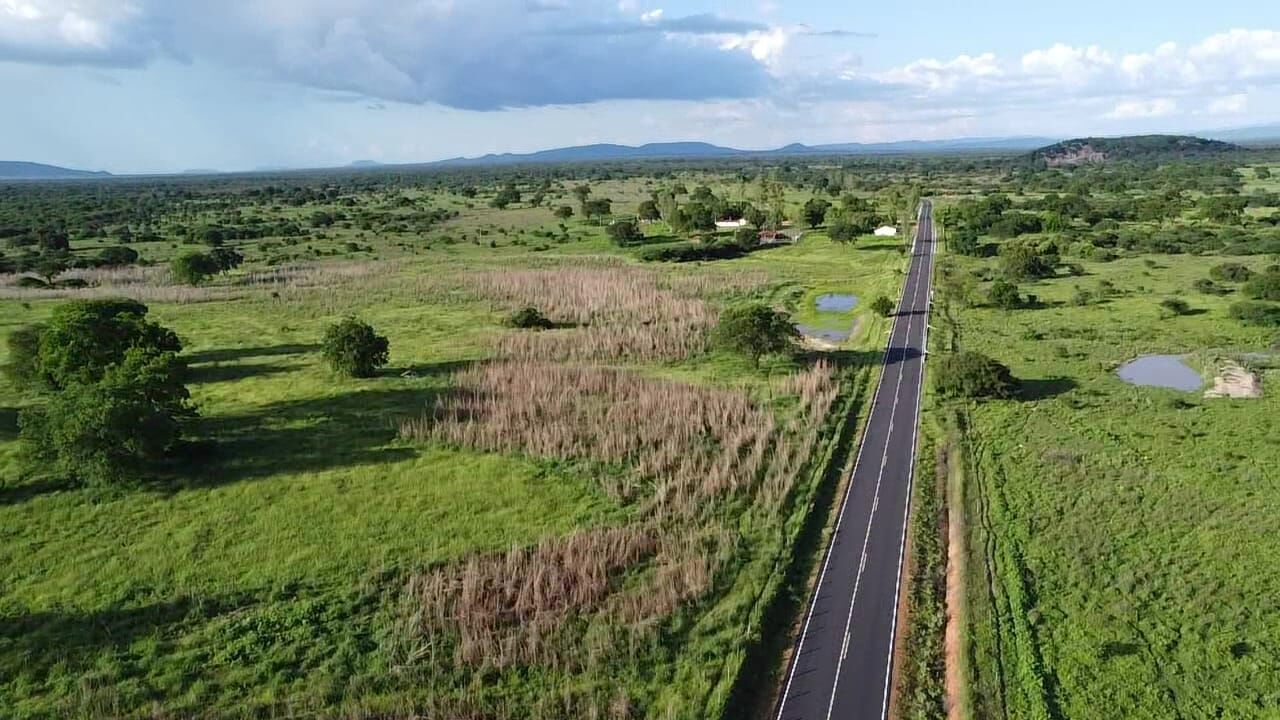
(850, 226)
(815, 211)
(625, 232)
(755, 330)
(112, 391)
(83, 338)
(112, 430)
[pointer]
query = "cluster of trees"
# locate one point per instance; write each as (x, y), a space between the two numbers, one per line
(699, 214)
(625, 233)
(215, 235)
(194, 268)
(508, 195)
(112, 401)
(1261, 288)
(694, 251)
(855, 217)
(1021, 261)
(48, 265)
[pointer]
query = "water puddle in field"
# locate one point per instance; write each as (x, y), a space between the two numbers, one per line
(1166, 371)
(830, 304)
(836, 303)
(832, 336)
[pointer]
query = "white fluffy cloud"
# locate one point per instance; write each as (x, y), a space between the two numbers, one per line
(477, 54)
(1229, 105)
(105, 32)
(494, 54)
(1133, 109)
(1220, 70)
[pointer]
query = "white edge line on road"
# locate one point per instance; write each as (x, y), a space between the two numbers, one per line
(911, 472)
(817, 588)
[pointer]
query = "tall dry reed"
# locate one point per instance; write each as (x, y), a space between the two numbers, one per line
(616, 313)
(688, 442)
(680, 450)
(511, 608)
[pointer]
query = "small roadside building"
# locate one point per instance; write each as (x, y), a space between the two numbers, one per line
(773, 237)
(886, 231)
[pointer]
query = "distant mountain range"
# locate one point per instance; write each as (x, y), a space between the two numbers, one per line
(1255, 135)
(678, 150)
(15, 170)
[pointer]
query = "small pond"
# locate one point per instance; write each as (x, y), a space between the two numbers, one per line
(834, 336)
(836, 302)
(831, 304)
(1167, 371)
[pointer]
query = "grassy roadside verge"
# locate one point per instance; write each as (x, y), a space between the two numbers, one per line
(920, 690)
(983, 595)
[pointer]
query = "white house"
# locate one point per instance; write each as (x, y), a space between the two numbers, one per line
(886, 231)
(730, 224)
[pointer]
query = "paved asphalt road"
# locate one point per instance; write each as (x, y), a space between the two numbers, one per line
(842, 660)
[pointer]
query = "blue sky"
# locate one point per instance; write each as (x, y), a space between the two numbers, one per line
(167, 85)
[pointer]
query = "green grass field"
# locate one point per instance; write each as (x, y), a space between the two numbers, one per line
(265, 577)
(1119, 533)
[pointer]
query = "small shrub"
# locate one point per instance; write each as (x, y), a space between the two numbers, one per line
(1253, 312)
(882, 306)
(1004, 294)
(1263, 287)
(1173, 307)
(972, 375)
(529, 318)
(1230, 272)
(1209, 287)
(354, 349)
(1082, 297)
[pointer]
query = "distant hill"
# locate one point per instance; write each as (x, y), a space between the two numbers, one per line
(365, 164)
(15, 170)
(1134, 147)
(694, 150)
(1254, 135)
